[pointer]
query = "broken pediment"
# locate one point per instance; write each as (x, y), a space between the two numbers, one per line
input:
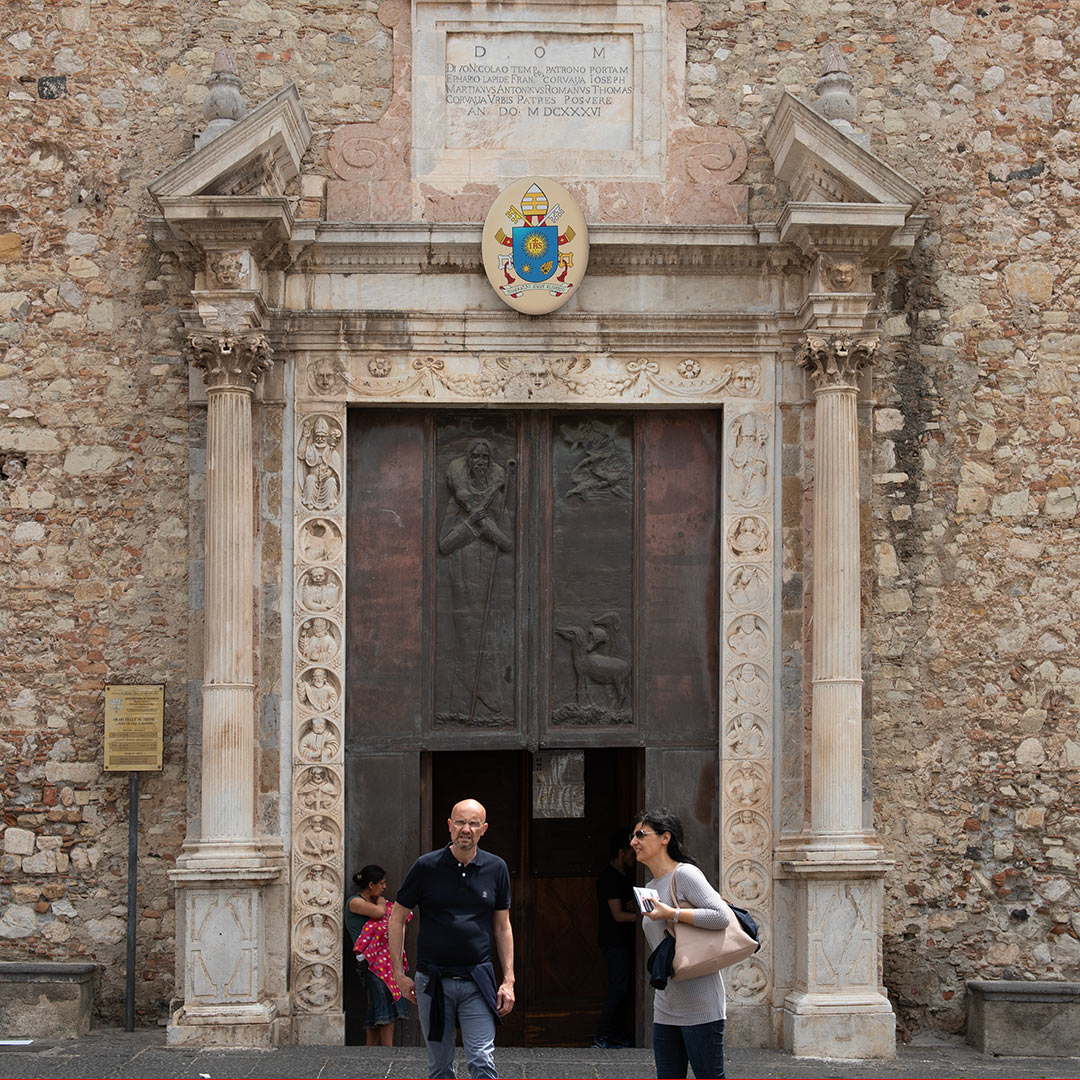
(255, 156)
(843, 198)
(820, 163)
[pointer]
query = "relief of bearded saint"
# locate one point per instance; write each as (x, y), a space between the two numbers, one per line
(476, 528)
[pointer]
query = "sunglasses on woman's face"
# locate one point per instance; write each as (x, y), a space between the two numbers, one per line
(640, 834)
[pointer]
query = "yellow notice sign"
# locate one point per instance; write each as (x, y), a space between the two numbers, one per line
(134, 728)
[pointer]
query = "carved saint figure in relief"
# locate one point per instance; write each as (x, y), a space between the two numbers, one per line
(316, 641)
(315, 889)
(319, 590)
(317, 790)
(747, 833)
(746, 689)
(316, 987)
(745, 736)
(745, 786)
(320, 541)
(746, 586)
(320, 743)
(321, 464)
(747, 636)
(749, 536)
(477, 528)
(316, 937)
(318, 691)
(319, 842)
(747, 883)
(748, 980)
(749, 462)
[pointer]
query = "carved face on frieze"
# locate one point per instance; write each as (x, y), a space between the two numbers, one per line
(842, 274)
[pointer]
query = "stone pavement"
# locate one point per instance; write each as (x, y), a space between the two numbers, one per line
(111, 1053)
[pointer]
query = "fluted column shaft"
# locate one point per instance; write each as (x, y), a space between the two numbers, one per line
(231, 367)
(836, 741)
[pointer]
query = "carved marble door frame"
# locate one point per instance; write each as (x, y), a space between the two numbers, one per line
(335, 367)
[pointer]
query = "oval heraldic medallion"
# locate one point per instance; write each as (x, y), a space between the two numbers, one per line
(535, 245)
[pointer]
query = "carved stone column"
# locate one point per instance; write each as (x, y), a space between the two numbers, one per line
(221, 875)
(838, 1008)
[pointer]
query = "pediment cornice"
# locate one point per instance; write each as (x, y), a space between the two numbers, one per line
(822, 164)
(258, 156)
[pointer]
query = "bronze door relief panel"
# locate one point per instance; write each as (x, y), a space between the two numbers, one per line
(532, 578)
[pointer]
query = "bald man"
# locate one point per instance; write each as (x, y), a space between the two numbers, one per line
(464, 898)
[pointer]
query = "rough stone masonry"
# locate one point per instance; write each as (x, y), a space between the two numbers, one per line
(970, 515)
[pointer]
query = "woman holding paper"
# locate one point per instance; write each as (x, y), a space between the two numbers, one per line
(688, 1016)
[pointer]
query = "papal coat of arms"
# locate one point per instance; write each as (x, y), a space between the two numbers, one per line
(535, 245)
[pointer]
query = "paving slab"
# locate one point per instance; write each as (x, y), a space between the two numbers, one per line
(110, 1053)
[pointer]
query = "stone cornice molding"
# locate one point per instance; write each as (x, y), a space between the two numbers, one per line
(230, 361)
(835, 362)
(197, 224)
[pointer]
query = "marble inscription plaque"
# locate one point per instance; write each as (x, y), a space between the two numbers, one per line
(527, 89)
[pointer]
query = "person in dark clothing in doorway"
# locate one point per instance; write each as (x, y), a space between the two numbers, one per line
(463, 894)
(615, 919)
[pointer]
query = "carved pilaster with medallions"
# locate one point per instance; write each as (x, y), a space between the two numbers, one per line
(746, 790)
(318, 628)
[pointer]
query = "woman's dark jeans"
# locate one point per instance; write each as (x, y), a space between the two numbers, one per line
(700, 1045)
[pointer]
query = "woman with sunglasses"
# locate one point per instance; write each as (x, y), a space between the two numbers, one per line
(688, 1016)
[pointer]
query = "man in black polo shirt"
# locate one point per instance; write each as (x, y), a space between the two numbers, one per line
(464, 898)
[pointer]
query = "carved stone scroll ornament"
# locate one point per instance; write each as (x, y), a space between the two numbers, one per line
(836, 362)
(707, 155)
(228, 361)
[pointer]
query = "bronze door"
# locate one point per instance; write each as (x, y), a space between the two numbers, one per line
(527, 580)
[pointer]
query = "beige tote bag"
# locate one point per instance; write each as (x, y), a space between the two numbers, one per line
(704, 952)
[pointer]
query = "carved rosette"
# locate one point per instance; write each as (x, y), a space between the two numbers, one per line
(230, 361)
(318, 708)
(746, 789)
(835, 362)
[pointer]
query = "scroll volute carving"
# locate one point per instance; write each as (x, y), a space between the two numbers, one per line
(381, 150)
(707, 155)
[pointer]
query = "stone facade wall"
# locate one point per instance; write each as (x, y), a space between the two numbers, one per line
(973, 522)
(975, 671)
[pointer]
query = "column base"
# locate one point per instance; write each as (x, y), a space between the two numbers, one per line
(842, 1026)
(250, 860)
(256, 1026)
(319, 1029)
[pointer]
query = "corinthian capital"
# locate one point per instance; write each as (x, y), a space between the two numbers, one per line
(835, 362)
(230, 362)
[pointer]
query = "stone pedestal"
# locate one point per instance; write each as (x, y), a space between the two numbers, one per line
(838, 1009)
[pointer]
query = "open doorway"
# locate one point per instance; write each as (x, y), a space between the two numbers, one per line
(554, 862)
